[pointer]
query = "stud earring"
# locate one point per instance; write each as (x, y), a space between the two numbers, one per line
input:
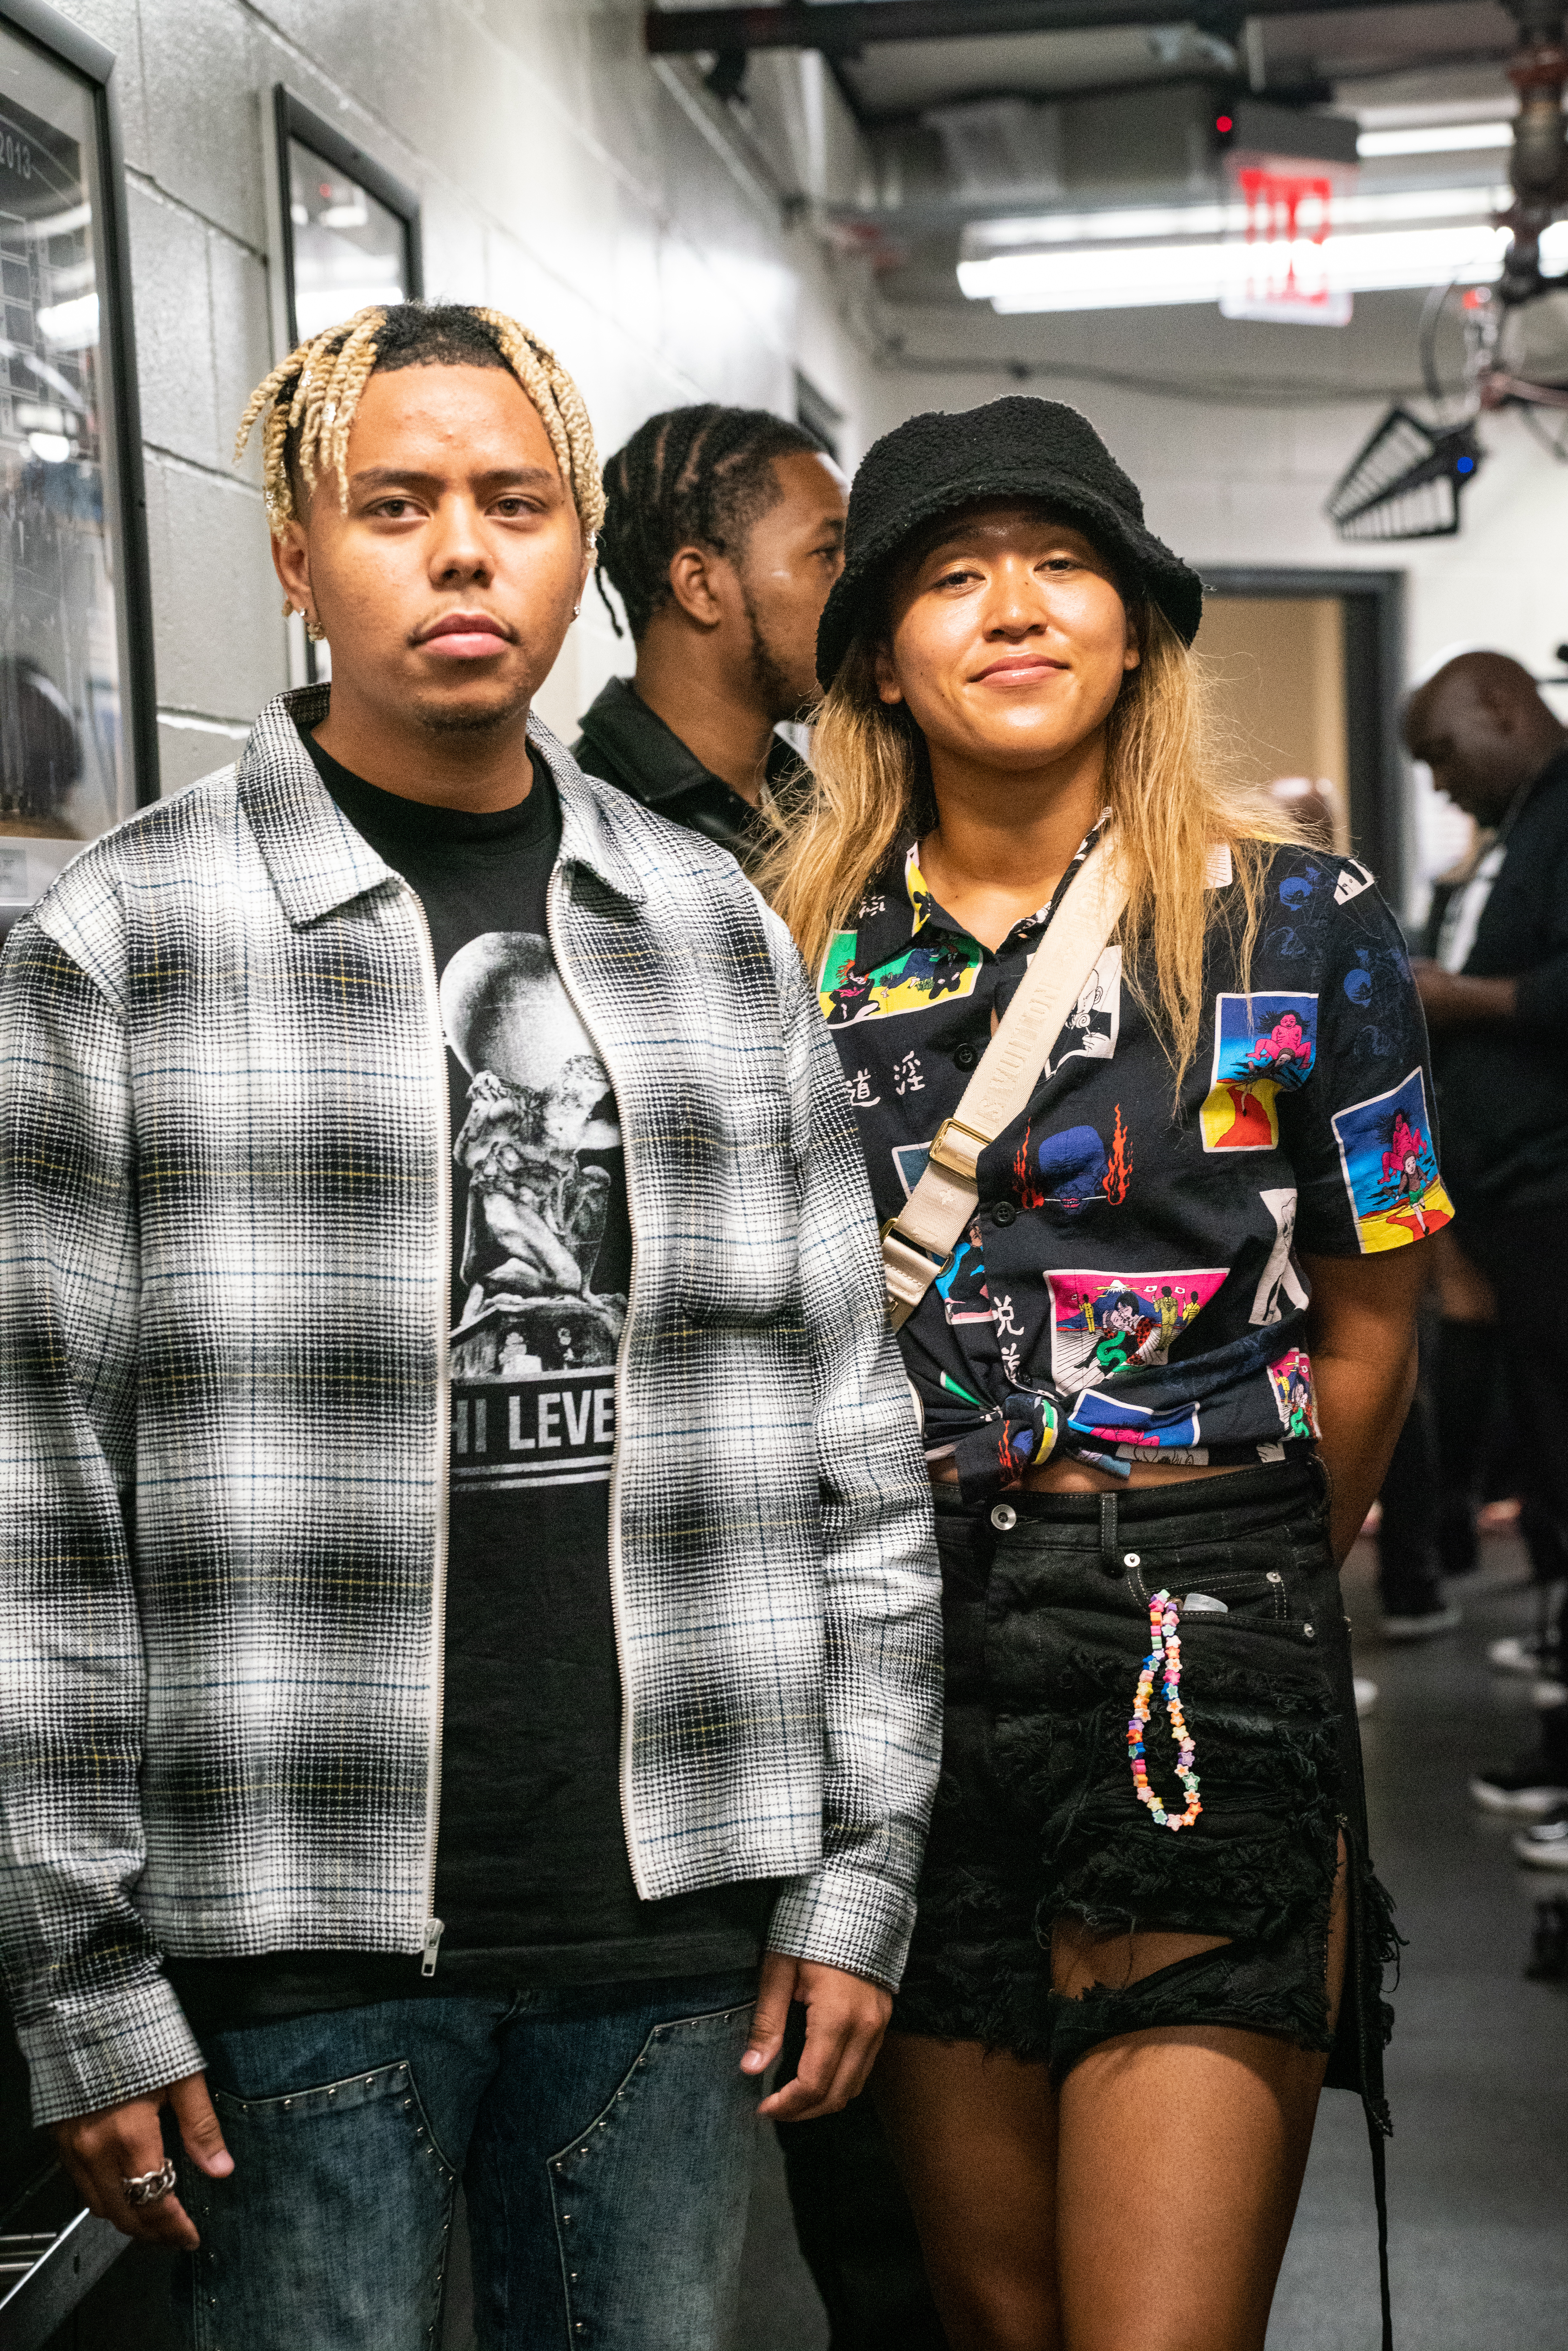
(577, 611)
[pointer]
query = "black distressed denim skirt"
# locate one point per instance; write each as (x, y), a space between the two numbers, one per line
(1047, 1605)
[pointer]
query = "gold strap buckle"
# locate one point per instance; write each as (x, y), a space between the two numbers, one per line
(951, 1157)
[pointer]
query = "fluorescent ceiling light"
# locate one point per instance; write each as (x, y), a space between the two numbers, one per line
(1436, 139)
(1200, 253)
(1148, 221)
(1151, 277)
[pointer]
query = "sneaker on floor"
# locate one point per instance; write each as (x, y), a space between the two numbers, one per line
(1422, 1624)
(1545, 1846)
(1524, 1653)
(1529, 1790)
(1365, 1695)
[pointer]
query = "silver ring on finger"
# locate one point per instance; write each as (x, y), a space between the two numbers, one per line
(151, 2187)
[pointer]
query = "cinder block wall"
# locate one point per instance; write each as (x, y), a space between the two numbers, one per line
(560, 178)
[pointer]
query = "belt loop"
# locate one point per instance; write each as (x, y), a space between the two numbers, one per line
(1109, 1563)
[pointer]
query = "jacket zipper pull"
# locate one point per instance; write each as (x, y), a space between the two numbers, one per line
(433, 1931)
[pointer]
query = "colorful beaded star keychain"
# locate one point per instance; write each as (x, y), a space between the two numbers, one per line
(1164, 1619)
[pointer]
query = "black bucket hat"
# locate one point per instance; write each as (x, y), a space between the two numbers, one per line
(1015, 447)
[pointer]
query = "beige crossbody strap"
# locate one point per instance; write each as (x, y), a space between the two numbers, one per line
(918, 1241)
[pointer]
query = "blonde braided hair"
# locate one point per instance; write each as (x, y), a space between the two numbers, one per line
(310, 399)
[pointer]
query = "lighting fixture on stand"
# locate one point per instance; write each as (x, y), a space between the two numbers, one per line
(1406, 481)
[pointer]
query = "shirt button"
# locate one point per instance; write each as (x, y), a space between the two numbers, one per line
(1004, 1518)
(1004, 1213)
(964, 1057)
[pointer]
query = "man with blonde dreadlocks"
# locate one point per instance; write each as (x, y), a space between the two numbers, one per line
(724, 530)
(463, 1545)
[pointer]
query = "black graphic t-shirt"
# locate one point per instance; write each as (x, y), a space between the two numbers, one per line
(1129, 1290)
(533, 1882)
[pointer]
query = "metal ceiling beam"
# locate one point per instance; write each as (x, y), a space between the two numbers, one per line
(844, 30)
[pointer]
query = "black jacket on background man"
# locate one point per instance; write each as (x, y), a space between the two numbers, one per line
(630, 746)
(1502, 1086)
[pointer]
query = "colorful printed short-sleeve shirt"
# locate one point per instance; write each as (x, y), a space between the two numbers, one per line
(1131, 1288)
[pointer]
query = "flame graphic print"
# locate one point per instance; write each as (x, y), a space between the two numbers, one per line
(1119, 1174)
(1027, 1192)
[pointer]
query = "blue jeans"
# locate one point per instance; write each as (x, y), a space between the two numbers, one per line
(606, 2137)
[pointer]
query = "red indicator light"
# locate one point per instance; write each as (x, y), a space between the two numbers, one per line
(1223, 122)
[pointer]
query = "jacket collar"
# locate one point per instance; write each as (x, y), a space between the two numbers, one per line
(316, 860)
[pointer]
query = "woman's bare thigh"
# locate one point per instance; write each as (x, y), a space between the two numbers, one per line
(1181, 2152)
(974, 2131)
(1148, 2203)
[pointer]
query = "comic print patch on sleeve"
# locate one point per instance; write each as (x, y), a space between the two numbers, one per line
(1261, 1043)
(1391, 1168)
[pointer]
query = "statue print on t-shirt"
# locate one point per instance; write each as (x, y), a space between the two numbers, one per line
(536, 1153)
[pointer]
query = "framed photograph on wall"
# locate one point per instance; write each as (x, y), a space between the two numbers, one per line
(350, 238)
(350, 229)
(78, 743)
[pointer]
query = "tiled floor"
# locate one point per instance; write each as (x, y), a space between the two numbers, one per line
(1478, 2069)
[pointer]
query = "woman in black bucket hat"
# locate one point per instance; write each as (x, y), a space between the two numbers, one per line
(1160, 1375)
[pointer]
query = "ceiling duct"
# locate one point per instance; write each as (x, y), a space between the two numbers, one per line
(1000, 148)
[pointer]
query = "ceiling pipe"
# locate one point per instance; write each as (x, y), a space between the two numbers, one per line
(847, 28)
(1538, 169)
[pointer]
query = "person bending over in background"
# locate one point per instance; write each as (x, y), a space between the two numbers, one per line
(1496, 995)
(1108, 2050)
(445, 1655)
(724, 530)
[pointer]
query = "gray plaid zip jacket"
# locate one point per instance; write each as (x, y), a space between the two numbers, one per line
(224, 1196)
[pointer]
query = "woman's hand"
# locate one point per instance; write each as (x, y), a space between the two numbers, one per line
(1361, 1329)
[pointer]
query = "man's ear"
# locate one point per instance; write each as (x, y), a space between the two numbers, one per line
(291, 561)
(693, 585)
(887, 685)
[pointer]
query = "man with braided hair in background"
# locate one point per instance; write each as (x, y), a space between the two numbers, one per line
(465, 1555)
(723, 533)
(724, 530)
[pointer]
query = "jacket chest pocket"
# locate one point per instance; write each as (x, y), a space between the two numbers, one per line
(738, 1209)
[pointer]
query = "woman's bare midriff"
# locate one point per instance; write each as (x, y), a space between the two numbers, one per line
(1078, 1477)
